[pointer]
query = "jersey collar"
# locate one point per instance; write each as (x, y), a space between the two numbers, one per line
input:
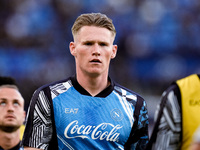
(81, 90)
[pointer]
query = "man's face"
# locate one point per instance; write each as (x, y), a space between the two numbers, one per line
(11, 108)
(93, 49)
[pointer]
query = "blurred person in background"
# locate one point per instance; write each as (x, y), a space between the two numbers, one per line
(177, 116)
(12, 114)
(88, 110)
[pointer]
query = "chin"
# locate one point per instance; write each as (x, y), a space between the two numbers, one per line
(94, 73)
(9, 128)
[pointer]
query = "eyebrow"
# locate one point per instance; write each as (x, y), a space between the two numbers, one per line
(93, 41)
(5, 99)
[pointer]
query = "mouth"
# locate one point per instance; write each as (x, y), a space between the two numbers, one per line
(95, 61)
(10, 117)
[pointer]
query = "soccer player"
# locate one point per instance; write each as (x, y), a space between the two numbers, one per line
(12, 114)
(88, 110)
(177, 116)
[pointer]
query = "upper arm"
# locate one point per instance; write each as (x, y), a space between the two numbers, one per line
(142, 127)
(171, 117)
(140, 138)
(38, 122)
(169, 125)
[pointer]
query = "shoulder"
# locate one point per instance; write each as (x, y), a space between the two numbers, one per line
(173, 87)
(46, 92)
(171, 96)
(55, 86)
(130, 95)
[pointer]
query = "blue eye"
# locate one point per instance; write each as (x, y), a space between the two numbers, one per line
(16, 104)
(2, 103)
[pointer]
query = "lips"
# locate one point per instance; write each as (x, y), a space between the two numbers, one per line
(10, 117)
(95, 61)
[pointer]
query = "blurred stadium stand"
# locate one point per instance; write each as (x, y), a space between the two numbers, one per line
(158, 42)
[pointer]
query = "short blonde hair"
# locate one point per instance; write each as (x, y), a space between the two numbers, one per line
(9, 86)
(93, 19)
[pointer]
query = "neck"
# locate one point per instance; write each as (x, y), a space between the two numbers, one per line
(9, 140)
(94, 85)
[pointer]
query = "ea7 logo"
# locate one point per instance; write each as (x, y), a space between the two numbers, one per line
(71, 110)
(194, 102)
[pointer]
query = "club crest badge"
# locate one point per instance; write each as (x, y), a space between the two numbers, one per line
(116, 114)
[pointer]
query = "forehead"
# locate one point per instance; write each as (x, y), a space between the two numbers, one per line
(94, 32)
(10, 94)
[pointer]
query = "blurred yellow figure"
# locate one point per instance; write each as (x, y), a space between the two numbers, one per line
(22, 131)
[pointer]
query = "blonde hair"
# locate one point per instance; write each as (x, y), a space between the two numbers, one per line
(93, 19)
(9, 86)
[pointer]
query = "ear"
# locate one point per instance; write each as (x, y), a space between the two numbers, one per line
(72, 48)
(114, 51)
(24, 115)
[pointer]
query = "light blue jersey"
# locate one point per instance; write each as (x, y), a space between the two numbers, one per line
(81, 121)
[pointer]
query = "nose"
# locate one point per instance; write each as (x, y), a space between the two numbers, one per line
(10, 108)
(96, 50)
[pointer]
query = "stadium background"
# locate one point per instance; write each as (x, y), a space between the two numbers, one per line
(158, 42)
